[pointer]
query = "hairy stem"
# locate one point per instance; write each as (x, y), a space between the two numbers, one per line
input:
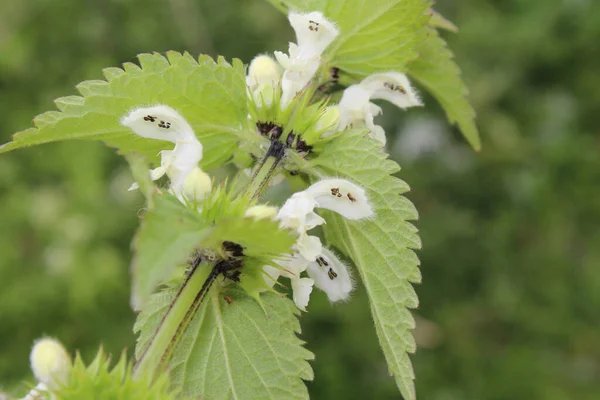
(165, 336)
(266, 169)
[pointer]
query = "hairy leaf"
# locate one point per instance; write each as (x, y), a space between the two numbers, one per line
(380, 246)
(210, 95)
(236, 348)
(436, 70)
(376, 35)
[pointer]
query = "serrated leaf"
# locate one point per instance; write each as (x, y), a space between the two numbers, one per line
(380, 246)
(376, 35)
(210, 95)
(234, 348)
(436, 70)
(439, 21)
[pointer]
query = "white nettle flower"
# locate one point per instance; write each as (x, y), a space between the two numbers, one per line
(323, 267)
(263, 77)
(180, 164)
(313, 34)
(341, 196)
(356, 107)
(331, 276)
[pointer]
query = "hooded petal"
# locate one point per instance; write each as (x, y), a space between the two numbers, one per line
(158, 122)
(313, 31)
(183, 160)
(393, 87)
(331, 276)
(341, 196)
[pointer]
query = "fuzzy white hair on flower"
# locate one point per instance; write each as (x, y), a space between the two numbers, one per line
(164, 123)
(331, 276)
(158, 122)
(393, 87)
(356, 107)
(314, 33)
(341, 196)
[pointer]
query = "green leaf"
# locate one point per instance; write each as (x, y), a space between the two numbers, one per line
(167, 236)
(436, 70)
(380, 246)
(170, 232)
(376, 35)
(210, 95)
(99, 381)
(439, 21)
(234, 348)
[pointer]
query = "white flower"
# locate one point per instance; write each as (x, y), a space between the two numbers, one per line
(297, 213)
(324, 269)
(356, 107)
(331, 276)
(313, 34)
(180, 164)
(341, 196)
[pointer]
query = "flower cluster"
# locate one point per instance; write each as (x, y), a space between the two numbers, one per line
(293, 72)
(188, 182)
(325, 270)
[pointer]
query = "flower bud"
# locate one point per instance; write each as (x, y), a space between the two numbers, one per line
(197, 185)
(328, 121)
(50, 362)
(261, 212)
(263, 70)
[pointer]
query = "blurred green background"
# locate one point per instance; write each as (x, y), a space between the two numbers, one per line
(510, 300)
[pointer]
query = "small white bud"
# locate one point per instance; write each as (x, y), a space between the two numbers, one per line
(196, 185)
(263, 70)
(50, 362)
(261, 211)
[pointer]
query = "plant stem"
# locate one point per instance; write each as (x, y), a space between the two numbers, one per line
(164, 337)
(158, 352)
(266, 169)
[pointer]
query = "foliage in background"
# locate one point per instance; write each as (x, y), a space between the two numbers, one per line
(511, 301)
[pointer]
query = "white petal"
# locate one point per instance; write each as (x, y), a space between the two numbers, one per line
(157, 173)
(134, 186)
(309, 247)
(393, 87)
(341, 196)
(354, 106)
(313, 31)
(293, 214)
(158, 122)
(302, 289)
(331, 276)
(185, 157)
